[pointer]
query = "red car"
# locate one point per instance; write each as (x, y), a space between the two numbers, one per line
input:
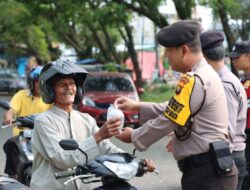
(101, 89)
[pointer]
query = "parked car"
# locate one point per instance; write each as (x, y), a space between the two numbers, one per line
(10, 81)
(91, 64)
(101, 89)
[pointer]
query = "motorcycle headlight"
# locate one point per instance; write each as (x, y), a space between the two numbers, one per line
(123, 170)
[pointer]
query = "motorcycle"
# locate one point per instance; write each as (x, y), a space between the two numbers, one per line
(113, 170)
(7, 183)
(22, 144)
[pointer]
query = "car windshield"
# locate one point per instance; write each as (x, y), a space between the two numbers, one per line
(108, 84)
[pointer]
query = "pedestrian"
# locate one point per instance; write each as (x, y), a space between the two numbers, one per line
(61, 84)
(241, 60)
(197, 113)
(214, 52)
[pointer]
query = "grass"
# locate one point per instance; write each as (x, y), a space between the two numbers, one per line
(157, 93)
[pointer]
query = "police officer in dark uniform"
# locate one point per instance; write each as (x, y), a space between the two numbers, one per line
(214, 52)
(197, 113)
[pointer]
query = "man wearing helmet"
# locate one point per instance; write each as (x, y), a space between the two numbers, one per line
(61, 83)
(25, 102)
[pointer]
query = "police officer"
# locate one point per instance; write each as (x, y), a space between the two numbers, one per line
(214, 52)
(197, 113)
(241, 60)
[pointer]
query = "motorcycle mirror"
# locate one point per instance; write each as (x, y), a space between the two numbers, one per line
(71, 144)
(134, 152)
(5, 104)
(68, 144)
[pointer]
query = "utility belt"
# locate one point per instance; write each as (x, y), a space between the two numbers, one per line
(240, 162)
(238, 154)
(194, 161)
(219, 157)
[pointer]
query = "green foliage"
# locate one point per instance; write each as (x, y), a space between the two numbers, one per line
(113, 67)
(14, 18)
(157, 93)
(184, 8)
(236, 10)
(92, 27)
(231, 6)
(110, 67)
(23, 31)
(36, 40)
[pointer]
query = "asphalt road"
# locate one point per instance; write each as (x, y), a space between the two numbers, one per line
(167, 179)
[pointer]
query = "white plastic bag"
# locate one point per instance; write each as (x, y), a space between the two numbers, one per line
(114, 112)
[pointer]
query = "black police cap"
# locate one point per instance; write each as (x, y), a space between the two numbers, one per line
(211, 39)
(240, 48)
(179, 33)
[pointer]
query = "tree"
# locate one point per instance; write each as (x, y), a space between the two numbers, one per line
(184, 8)
(89, 25)
(19, 33)
(224, 10)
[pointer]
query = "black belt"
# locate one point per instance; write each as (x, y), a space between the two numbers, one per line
(194, 161)
(238, 154)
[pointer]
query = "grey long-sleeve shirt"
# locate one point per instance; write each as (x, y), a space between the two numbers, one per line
(210, 123)
(237, 108)
(52, 126)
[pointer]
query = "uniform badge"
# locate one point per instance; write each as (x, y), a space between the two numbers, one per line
(182, 82)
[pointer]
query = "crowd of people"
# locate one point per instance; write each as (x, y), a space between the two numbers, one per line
(208, 115)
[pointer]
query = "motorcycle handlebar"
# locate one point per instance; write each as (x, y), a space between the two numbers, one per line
(27, 121)
(142, 169)
(79, 170)
(64, 174)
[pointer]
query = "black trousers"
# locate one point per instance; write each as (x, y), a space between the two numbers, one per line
(15, 155)
(205, 177)
(246, 181)
(240, 162)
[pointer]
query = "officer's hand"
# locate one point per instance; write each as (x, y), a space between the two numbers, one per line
(128, 104)
(149, 165)
(109, 129)
(169, 146)
(125, 135)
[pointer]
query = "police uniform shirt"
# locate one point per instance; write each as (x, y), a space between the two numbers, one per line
(210, 123)
(237, 108)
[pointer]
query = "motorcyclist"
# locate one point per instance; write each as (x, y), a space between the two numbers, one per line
(25, 102)
(61, 83)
